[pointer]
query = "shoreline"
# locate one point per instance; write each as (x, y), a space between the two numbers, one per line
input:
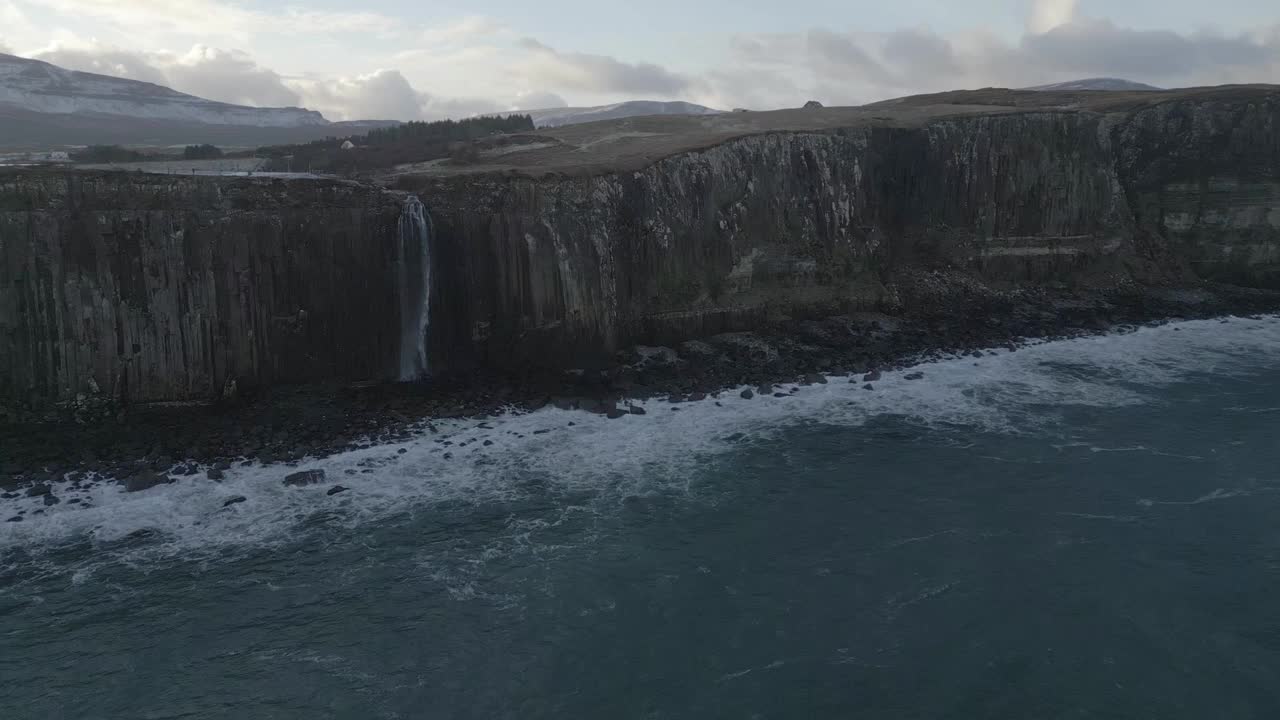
(283, 426)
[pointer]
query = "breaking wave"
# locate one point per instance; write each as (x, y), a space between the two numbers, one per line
(582, 463)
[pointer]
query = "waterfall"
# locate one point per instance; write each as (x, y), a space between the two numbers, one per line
(415, 288)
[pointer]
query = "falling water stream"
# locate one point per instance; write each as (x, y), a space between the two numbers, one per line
(415, 288)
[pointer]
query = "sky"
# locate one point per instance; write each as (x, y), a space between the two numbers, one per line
(425, 59)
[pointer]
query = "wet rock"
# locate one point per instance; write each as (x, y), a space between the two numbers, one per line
(38, 489)
(51, 499)
(747, 394)
(488, 443)
(401, 451)
(15, 518)
(215, 474)
(616, 413)
(781, 395)
(234, 501)
(697, 397)
(872, 376)
(336, 489)
(222, 465)
(145, 481)
(915, 376)
(815, 379)
(304, 478)
(765, 390)
(868, 386)
(636, 410)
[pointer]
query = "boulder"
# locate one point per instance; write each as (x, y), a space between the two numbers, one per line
(234, 501)
(215, 474)
(872, 376)
(145, 481)
(336, 489)
(39, 489)
(304, 478)
(812, 105)
(747, 394)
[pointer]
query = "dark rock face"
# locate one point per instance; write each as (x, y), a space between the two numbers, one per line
(153, 287)
(574, 270)
(1203, 182)
(304, 478)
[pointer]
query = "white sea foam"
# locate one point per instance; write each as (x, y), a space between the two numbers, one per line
(590, 463)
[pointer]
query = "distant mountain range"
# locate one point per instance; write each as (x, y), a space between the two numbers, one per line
(558, 117)
(1113, 84)
(43, 105)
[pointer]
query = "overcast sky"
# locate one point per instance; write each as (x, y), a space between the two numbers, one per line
(414, 59)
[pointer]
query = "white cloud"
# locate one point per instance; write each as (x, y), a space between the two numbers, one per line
(1049, 14)
(13, 25)
(460, 66)
(538, 101)
(383, 95)
(585, 72)
(158, 20)
(106, 61)
(230, 76)
(379, 95)
(852, 68)
(225, 75)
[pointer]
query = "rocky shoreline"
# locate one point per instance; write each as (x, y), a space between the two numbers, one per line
(146, 446)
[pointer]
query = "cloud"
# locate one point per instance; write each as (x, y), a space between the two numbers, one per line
(106, 61)
(379, 95)
(1049, 14)
(236, 77)
(207, 19)
(863, 67)
(548, 67)
(13, 25)
(538, 101)
(230, 76)
(383, 95)
(463, 31)
(839, 55)
(1100, 47)
(225, 75)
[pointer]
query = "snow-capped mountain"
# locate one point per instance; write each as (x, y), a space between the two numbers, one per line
(1113, 84)
(38, 87)
(557, 117)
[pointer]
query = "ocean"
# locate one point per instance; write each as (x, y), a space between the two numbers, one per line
(1081, 528)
